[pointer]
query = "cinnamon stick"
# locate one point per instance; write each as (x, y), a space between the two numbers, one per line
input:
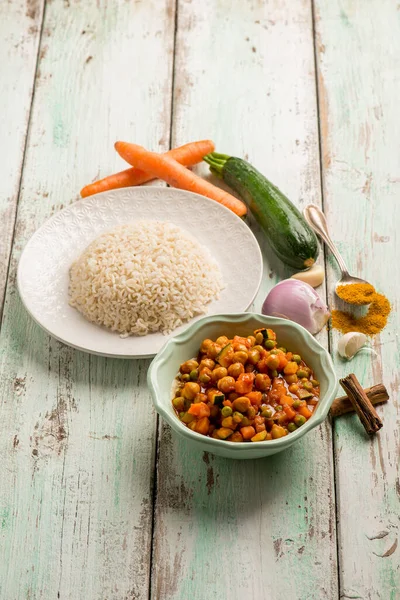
(362, 404)
(377, 394)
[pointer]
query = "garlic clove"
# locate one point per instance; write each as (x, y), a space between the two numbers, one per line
(350, 343)
(314, 276)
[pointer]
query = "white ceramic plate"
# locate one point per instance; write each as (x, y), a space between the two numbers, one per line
(45, 261)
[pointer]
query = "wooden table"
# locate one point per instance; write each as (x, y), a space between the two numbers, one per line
(97, 499)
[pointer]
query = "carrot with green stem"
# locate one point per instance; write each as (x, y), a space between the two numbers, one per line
(187, 155)
(168, 169)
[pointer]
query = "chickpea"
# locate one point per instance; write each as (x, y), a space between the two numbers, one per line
(218, 373)
(206, 362)
(226, 385)
(252, 340)
(260, 349)
(291, 368)
(190, 390)
(240, 347)
(254, 356)
(277, 431)
(205, 344)
(189, 366)
(262, 382)
(241, 404)
(235, 370)
(213, 350)
(205, 376)
(179, 404)
(259, 338)
(251, 412)
(273, 362)
(200, 398)
(240, 356)
(293, 388)
(291, 379)
(222, 340)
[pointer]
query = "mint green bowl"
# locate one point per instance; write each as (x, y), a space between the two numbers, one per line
(177, 350)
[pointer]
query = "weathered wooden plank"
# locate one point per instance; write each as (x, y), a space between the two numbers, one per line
(78, 433)
(244, 76)
(358, 46)
(20, 23)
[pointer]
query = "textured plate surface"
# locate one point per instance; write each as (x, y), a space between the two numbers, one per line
(45, 261)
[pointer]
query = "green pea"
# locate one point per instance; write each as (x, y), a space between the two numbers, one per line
(307, 385)
(315, 382)
(291, 427)
(181, 415)
(274, 351)
(269, 344)
(301, 373)
(299, 420)
(274, 373)
(245, 421)
(296, 358)
(279, 407)
(266, 413)
(226, 411)
(194, 375)
(185, 377)
(282, 349)
(296, 404)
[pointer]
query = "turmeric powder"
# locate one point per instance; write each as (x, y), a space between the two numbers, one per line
(356, 293)
(372, 323)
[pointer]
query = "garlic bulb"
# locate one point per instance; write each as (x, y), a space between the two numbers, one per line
(314, 276)
(350, 343)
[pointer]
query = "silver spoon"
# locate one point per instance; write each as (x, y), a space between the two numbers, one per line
(316, 220)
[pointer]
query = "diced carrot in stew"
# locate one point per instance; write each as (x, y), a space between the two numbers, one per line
(290, 413)
(244, 383)
(236, 437)
(306, 412)
(286, 400)
(248, 432)
(199, 409)
(255, 398)
(202, 425)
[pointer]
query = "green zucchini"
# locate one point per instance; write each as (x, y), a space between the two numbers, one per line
(305, 394)
(223, 355)
(288, 233)
(267, 334)
(218, 399)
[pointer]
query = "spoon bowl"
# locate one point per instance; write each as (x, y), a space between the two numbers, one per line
(316, 220)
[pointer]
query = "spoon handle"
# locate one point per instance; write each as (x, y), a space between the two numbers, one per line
(316, 219)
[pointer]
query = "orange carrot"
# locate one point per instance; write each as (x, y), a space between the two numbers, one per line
(290, 413)
(176, 175)
(200, 410)
(306, 412)
(188, 155)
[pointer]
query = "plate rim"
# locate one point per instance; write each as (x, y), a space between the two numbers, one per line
(81, 202)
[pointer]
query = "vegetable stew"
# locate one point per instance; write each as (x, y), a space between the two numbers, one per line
(245, 389)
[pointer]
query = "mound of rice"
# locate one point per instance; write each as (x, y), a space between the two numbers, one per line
(145, 277)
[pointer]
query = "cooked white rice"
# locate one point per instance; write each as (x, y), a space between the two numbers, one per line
(145, 277)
